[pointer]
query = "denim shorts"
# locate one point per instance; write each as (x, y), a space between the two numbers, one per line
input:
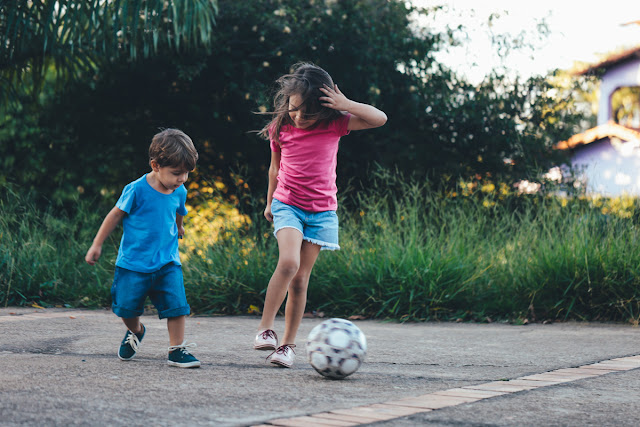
(164, 287)
(320, 228)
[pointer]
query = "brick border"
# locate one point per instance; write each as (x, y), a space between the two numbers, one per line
(455, 396)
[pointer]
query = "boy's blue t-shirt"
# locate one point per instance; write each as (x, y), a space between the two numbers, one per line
(150, 237)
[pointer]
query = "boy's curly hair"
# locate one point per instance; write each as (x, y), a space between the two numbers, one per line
(173, 148)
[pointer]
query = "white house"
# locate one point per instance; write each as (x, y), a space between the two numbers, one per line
(609, 154)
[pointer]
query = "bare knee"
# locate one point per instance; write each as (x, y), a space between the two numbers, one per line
(288, 267)
(299, 284)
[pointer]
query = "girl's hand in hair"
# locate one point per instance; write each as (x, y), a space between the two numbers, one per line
(334, 99)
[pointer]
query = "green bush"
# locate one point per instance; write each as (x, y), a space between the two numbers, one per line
(410, 251)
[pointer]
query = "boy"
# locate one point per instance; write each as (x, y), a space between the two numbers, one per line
(151, 209)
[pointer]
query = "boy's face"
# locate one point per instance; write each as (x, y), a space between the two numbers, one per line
(170, 177)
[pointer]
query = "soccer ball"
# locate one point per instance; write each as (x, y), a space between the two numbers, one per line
(336, 348)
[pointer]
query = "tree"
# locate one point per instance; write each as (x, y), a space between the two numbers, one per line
(439, 124)
(73, 38)
(48, 47)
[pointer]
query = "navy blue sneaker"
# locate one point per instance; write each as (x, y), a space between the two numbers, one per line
(130, 344)
(180, 356)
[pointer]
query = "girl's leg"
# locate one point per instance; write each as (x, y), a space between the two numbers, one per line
(297, 298)
(133, 324)
(289, 244)
(175, 325)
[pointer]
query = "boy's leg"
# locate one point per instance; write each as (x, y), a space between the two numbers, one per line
(128, 293)
(179, 350)
(176, 325)
(133, 324)
(289, 246)
(132, 338)
(168, 296)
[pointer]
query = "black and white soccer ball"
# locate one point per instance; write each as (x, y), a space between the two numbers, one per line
(336, 348)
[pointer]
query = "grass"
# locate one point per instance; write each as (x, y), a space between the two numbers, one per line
(410, 252)
(41, 255)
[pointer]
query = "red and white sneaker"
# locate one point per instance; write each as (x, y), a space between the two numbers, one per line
(283, 356)
(266, 340)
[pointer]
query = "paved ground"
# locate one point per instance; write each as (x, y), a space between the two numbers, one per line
(58, 367)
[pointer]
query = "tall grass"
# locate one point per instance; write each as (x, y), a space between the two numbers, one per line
(42, 253)
(410, 251)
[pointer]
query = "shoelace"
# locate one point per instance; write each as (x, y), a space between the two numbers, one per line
(183, 347)
(268, 333)
(283, 349)
(133, 341)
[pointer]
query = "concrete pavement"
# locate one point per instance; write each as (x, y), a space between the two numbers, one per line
(59, 367)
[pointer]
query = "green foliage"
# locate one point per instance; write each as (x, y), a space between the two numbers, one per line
(98, 131)
(21, 154)
(625, 104)
(410, 251)
(76, 36)
(42, 251)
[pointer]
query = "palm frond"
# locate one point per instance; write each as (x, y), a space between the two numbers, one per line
(74, 36)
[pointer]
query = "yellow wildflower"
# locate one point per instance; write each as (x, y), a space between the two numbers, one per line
(488, 188)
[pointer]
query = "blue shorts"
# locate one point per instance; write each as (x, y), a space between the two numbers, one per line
(164, 287)
(320, 228)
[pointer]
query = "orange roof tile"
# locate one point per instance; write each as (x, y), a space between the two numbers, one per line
(609, 130)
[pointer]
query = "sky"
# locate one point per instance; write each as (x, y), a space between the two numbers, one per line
(579, 31)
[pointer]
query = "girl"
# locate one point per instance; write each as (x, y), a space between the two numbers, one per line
(311, 114)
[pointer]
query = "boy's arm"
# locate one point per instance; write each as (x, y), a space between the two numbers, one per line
(109, 224)
(274, 168)
(180, 224)
(363, 116)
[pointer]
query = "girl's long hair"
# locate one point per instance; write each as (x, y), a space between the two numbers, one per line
(306, 81)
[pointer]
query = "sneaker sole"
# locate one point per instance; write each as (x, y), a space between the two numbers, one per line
(126, 359)
(184, 365)
(264, 347)
(282, 364)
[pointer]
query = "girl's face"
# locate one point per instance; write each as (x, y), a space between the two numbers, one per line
(297, 113)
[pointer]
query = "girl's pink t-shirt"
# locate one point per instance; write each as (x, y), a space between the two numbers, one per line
(308, 160)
